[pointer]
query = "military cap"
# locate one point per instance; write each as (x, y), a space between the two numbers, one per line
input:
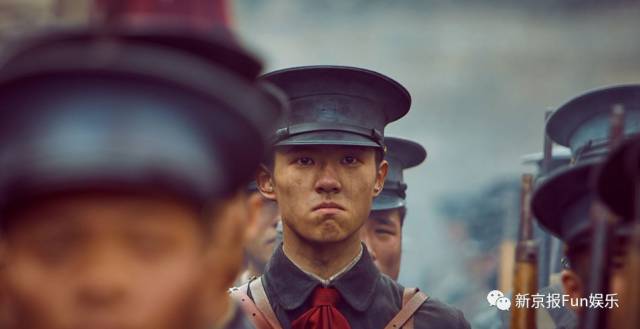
(215, 46)
(85, 110)
(560, 158)
(562, 202)
(401, 154)
(583, 123)
(337, 105)
(617, 181)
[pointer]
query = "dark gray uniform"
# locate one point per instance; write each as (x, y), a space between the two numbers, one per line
(369, 299)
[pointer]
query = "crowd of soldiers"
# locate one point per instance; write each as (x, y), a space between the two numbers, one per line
(587, 201)
(146, 167)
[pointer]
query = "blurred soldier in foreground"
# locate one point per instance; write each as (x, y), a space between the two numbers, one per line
(123, 166)
(566, 204)
(382, 233)
(327, 167)
(261, 235)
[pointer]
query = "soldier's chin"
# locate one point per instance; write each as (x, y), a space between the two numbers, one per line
(329, 231)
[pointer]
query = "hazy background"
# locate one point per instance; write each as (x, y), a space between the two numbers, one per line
(481, 74)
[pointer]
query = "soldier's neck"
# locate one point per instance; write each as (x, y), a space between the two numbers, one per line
(322, 259)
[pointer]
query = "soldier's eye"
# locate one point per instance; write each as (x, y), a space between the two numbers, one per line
(55, 255)
(350, 160)
(57, 248)
(304, 161)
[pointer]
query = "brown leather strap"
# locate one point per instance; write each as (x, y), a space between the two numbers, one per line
(249, 307)
(262, 302)
(412, 299)
(406, 296)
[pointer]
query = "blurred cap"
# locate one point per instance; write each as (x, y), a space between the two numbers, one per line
(583, 124)
(337, 105)
(87, 111)
(562, 203)
(216, 48)
(401, 154)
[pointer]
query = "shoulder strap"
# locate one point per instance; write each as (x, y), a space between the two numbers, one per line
(262, 303)
(239, 294)
(412, 299)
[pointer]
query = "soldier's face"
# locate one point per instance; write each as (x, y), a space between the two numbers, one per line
(575, 281)
(325, 192)
(106, 261)
(382, 234)
(262, 239)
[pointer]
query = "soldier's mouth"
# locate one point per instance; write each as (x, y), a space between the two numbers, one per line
(326, 206)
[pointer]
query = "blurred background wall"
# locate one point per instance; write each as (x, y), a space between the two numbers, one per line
(481, 74)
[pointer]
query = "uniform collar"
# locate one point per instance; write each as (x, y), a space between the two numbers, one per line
(292, 287)
(330, 280)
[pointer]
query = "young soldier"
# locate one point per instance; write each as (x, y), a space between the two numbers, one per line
(123, 164)
(382, 233)
(326, 169)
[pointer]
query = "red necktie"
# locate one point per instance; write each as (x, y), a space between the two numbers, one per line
(323, 313)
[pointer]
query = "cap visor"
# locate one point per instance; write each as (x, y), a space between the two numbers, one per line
(387, 202)
(328, 138)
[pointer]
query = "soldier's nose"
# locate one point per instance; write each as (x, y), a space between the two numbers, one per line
(327, 182)
(101, 285)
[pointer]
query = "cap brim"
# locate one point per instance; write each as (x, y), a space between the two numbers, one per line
(409, 153)
(556, 193)
(328, 138)
(562, 124)
(387, 202)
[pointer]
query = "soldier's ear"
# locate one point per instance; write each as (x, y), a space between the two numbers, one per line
(381, 174)
(264, 181)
